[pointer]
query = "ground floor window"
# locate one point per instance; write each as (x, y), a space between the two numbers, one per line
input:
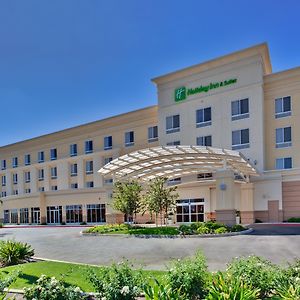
(54, 214)
(190, 210)
(74, 213)
(24, 216)
(35, 215)
(14, 216)
(96, 213)
(6, 216)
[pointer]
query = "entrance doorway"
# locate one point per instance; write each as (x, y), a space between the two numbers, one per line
(273, 209)
(54, 214)
(190, 210)
(35, 215)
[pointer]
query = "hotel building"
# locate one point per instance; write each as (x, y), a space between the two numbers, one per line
(231, 116)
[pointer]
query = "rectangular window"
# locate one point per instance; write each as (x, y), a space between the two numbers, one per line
(108, 181)
(175, 143)
(88, 147)
(27, 191)
(173, 124)
(89, 167)
(95, 213)
(54, 188)
(284, 163)
(53, 172)
(15, 162)
(283, 137)
(15, 178)
(27, 159)
(6, 216)
(41, 156)
(89, 184)
(41, 189)
(203, 117)
(53, 154)
(3, 164)
(3, 194)
(3, 180)
(204, 176)
(41, 174)
(74, 213)
(74, 185)
(283, 107)
(240, 139)
(240, 109)
(27, 176)
(24, 216)
(73, 150)
(174, 181)
(204, 140)
(129, 138)
(73, 169)
(107, 160)
(15, 192)
(107, 142)
(152, 134)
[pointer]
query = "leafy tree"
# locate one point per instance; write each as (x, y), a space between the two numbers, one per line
(127, 197)
(160, 199)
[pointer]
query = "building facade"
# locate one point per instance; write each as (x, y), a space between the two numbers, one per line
(233, 102)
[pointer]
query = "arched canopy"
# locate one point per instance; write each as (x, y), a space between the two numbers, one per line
(176, 161)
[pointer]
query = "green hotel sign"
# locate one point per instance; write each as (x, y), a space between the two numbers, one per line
(182, 93)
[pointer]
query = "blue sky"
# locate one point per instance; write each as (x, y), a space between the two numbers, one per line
(68, 62)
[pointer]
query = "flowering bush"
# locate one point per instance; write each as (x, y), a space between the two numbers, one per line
(50, 288)
(5, 282)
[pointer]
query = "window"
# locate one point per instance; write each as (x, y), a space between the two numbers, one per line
(152, 134)
(107, 142)
(73, 150)
(41, 156)
(88, 147)
(6, 216)
(89, 184)
(3, 194)
(74, 185)
(15, 192)
(53, 154)
(283, 137)
(41, 189)
(53, 172)
(240, 109)
(175, 143)
(107, 160)
(284, 163)
(24, 216)
(174, 181)
(282, 107)
(41, 174)
(3, 180)
(14, 216)
(129, 138)
(15, 162)
(108, 181)
(89, 167)
(73, 169)
(27, 159)
(27, 191)
(240, 139)
(204, 140)
(3, 164)
(73, 213)
(54, 188)
(173, 124)
(15, 178)
(203, 117)
(27, 176)
(203, 176)
(95, 213)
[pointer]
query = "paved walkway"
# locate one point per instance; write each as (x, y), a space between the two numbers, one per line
(277, 243)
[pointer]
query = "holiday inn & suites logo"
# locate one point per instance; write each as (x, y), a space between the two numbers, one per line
(182, 93)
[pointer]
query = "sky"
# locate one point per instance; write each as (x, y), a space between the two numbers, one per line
(68, 62)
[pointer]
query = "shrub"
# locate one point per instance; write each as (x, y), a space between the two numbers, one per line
(13, 253)
(203, 230)
(83, 223)
(256, 272)
(48, 288)
(118, 282)
(294, 220)
(237, 228)
(5, 282)
(221, 230)
(189, 277)
(108, 228)
(213, 225)
(225, 286)
(196, 225)
(185, 229)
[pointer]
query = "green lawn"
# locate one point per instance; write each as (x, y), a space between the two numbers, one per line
(71, 273)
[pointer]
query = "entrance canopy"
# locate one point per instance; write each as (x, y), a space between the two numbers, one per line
(177, 161)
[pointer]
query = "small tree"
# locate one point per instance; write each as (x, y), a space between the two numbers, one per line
(127, 197)
(159, 199)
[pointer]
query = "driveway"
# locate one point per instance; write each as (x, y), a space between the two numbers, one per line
(277, 243)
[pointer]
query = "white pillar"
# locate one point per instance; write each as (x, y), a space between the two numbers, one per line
(97, 164)
(81, 172)
(33, 180)
(63, 174)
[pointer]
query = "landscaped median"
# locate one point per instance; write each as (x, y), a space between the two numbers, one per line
(198, 229)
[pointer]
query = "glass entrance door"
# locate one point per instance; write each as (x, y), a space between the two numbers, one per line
(54, 214)
(35, 215)
(190, 210)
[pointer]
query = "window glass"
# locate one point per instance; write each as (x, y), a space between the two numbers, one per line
(244, 106)
(236, 137)
(245, 136)
(286, 104)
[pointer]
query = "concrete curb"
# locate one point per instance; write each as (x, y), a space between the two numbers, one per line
(247, 231)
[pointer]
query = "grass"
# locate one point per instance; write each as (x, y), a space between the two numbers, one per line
(72, 274)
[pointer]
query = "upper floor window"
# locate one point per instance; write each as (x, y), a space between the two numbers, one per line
(41, 174)
(107, 142)
(173, 124)
(203, 117)
(89, 167)
(73, 169)
(15, 192)
(89, 184)
(3, 194)
(74, 185)
(283, 137)
(3, 164)
(240, 109)
(240, 139)
(152, 134)
(27, 191)
(27, 176)
(283, 107)
(73, 149)
(15, 162)
(15, 178)
(53, 172)
(27, 159)
(53, 154)
(54, 188)
(284, 163)
(175, 143)
(204, 140)
(41, 156)
(107, 160)
(174, 181)
(129, 138)
(3, 180)
(88, 147)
